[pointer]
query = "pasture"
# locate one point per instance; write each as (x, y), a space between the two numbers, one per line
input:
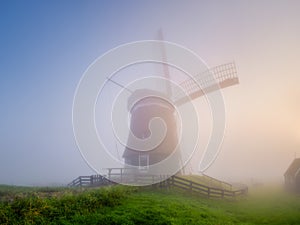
(131, 205)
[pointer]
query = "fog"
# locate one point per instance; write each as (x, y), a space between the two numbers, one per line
(46, 47)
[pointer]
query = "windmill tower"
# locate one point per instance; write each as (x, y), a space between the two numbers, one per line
(141, 114)
(143, 109)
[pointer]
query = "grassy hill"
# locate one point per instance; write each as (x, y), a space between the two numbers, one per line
(208, 181)
(127, 205)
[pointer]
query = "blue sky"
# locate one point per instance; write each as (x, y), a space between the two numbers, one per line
(45, 47)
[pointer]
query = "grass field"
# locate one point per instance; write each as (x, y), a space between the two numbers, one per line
(127, 205)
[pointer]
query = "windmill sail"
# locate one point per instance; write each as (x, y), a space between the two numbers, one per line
(213, 79)
(165, 66)
(169, 90)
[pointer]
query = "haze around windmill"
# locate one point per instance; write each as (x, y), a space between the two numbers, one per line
(46, 48)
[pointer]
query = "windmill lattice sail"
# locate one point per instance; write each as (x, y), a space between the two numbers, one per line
(215, 78)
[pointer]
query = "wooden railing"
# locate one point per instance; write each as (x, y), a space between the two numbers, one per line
(93, 180)
(211, 192)
(133, 176)
(159, 181)
(115, 178)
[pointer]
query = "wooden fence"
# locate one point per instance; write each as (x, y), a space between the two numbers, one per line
(211, 192)
(93, 180)
(160, 181)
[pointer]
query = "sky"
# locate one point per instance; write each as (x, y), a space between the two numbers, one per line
(45, 47)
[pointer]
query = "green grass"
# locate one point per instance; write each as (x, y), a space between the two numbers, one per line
(127, 205)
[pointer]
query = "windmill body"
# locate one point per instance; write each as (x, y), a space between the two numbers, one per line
(142, 112)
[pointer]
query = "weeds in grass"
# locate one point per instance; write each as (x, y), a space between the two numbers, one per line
(34, 208)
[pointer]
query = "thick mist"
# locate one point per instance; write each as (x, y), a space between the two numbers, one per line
(46, 47)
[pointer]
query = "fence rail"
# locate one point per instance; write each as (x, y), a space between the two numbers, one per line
(201, 189)
(93, 180)
(160, 181)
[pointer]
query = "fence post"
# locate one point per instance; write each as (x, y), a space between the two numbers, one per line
(121, 174)
(168, 182)
(80, 182)
(109, 173)
(208, 192)
(160, 180)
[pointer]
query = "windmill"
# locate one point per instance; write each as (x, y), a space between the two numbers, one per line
(143, 110)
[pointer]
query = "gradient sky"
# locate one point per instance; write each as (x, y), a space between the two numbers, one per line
(45, 47)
